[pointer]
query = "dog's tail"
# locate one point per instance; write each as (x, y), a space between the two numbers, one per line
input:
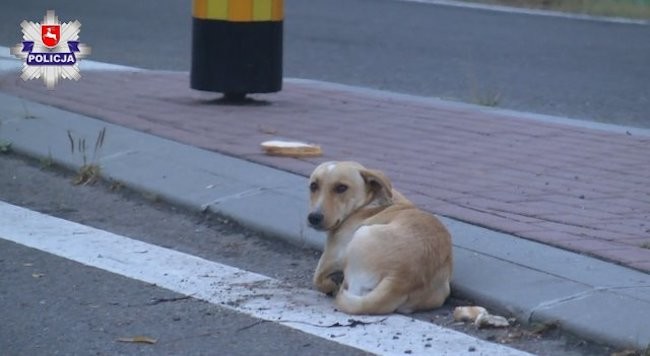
(383, 299)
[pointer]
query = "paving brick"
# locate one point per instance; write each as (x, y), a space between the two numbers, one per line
(568, 231)
(628, 226)
(592, 222)
(643, 242)
(641, 266)
(627, 254)
(595, 246)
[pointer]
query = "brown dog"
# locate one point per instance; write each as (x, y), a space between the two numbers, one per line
(394, 257)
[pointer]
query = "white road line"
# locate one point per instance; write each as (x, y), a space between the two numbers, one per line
(534, 12)
(249, 293)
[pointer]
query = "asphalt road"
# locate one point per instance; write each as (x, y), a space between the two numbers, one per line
(59, 307)
(582, 69)
(52, 304)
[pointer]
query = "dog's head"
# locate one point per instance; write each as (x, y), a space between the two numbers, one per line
(340, 188)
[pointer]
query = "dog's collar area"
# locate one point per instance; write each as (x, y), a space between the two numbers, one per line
(336, 225)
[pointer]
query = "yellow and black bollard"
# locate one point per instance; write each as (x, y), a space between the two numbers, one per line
(237, 47)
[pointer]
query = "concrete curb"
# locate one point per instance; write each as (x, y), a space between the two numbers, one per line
(536, 283)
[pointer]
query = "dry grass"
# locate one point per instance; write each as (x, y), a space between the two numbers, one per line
(90, 170)
(87, 174)
(635, 9)
(490, 98)
(5, 146)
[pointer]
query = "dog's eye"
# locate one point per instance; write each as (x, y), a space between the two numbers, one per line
(313, 187)
(340, 188)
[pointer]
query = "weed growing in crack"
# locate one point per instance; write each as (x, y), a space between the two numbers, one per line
(490, 98)
(27, 114)
(5, 147)
(90, 171)
(47, 162)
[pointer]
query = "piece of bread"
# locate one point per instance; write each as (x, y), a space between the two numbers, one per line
(480, 317)
(468, 313)
(291, 149)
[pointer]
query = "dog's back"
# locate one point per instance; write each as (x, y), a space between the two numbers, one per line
(398, 260)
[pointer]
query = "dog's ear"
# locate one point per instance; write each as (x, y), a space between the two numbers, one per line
(379, 185)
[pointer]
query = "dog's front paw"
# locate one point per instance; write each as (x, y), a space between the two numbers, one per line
(327, 286)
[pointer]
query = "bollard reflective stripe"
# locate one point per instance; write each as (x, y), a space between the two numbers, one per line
(239, 10)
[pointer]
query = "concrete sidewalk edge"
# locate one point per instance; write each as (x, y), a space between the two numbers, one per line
(536, 283)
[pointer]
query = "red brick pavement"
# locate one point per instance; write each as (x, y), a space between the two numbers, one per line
(581, 189)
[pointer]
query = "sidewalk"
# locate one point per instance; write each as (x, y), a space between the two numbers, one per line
(577, 188)
(568, 185)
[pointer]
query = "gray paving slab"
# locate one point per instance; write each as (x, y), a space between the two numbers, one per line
(276, 212)
(625, 325)
(507, 286)
(553, 261)
(533, 281)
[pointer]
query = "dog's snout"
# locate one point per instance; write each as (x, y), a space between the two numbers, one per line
(315, 219)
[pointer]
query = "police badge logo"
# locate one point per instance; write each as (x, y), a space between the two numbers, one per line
(50, 50)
